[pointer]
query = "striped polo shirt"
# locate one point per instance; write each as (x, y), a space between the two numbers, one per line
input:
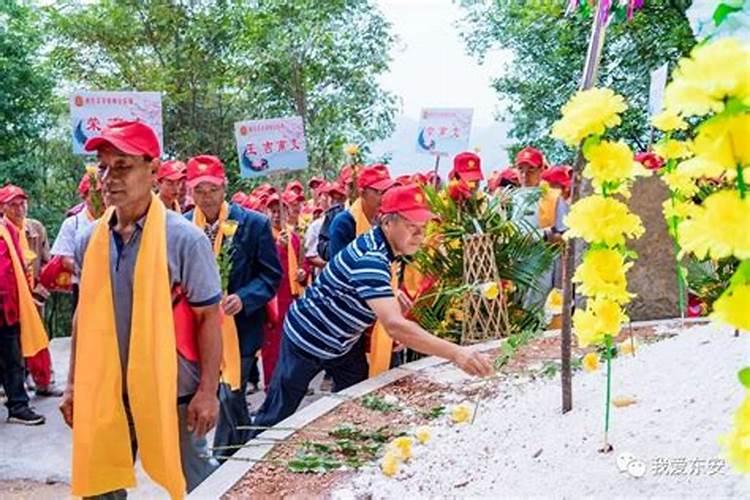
(333, 313)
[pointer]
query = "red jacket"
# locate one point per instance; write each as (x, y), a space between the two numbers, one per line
(8, 286)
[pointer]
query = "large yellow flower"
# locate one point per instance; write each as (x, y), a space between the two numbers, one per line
(725, 141)
(667, 121)
(600, 318)
(720, 228)
(700, 166)
(599, 219)
(611, 162)
(713, 73)
(671, 149)
(680, 183)
(587, 113)
(737, 443)
(680, 209)
(602, 275)
(733, 307)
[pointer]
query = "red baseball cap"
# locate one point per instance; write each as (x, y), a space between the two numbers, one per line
(11, 192)
(239, 198)
(269, 200)
(375, 177)
(558, 175)
(265, 188)
(407, 201)
(291, 197)
(253, 202)
(131, 137)
(295, 186)
(315, 182)
(172, 170)
(345, 174)
(530, 156)
(336, 188)
(467, 166)
(420, 178)
(205, 168)
(402, 180)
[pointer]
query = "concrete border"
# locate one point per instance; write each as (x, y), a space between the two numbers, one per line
(221, 481)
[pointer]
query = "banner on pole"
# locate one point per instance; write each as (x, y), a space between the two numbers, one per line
(90, 111)
(656, 91)
(444, 131)
(270, 146)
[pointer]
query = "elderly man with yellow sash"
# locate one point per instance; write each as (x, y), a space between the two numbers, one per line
(323, 328)
(251, 277)
(171, 183)
(22, 333)
(137, 382)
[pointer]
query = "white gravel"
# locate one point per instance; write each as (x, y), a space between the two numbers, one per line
(520, 445)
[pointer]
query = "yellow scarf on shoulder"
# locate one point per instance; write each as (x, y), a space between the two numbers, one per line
(548, 208)
(33, 334)
(102, 459)
(29, 256)
(292, 260)
(381, 344)
(230, 342)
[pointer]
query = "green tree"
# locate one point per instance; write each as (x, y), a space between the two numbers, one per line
(548, 52)
(221, 61)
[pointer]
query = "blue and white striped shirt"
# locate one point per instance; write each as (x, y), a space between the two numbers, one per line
(333, 313)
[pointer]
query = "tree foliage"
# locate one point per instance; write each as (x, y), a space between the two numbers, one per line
(548, 52)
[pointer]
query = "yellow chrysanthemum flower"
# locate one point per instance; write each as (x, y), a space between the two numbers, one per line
(490, 290)
(602, 275)
(700, 166)
(600, 318)
(725, 141)
(611, 162)
(423, 434)
(667, 121)
(713, 73)
(590, 362)
(461, 413)
(228, 228)
(680, 183)
(680, 209)
(351, 149)
(736, 444)
(401, 446)
(719, 229)
(390, 464)
(554, 301)
(673, 150)
(733, 307)
(599, 219)
(588, 112)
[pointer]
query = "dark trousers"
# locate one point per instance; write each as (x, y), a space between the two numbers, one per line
(12, 368)
(233, 412)
(294, 371)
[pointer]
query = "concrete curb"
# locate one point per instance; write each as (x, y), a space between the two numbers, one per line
(232, 471)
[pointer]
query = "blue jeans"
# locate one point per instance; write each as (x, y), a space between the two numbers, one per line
(294, 371)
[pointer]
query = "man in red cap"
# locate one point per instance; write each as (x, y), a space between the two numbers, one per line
(324, 328)
(293, 276)
(35, 249)
(252, 281)
(136, 382)
(338, 195)
(171, 183)
(500, 179)
(467, 166)
(372, 183)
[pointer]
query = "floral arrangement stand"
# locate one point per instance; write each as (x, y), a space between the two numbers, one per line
(485, 317)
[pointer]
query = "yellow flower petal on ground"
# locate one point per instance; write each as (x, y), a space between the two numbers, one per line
(600, 318)
(423, 434)
(461, 413)
(401, 446)
(736, 443)
(602, 275)
(611, 162)
(590, 362)
(673, 150)
(390, 464)
(733, 307)
(587, 113)
(667, 121)
(719, 229)
(599, 219)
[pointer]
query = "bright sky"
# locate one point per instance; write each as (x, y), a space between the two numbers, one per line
(430, 66)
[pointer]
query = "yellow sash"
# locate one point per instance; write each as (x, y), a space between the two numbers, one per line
(547, 208)
(33, 334)
(102, 459)
(292, 260)
(28, 254)
(230, 355)
(381, 344)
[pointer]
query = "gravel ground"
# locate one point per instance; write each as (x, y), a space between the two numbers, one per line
(685, 389)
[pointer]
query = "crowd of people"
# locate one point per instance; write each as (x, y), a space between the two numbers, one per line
(279, 283)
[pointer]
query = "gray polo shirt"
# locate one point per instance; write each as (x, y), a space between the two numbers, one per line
(192, 265)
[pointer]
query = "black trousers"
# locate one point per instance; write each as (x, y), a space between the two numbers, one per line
(12, 368)
(233, 412)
